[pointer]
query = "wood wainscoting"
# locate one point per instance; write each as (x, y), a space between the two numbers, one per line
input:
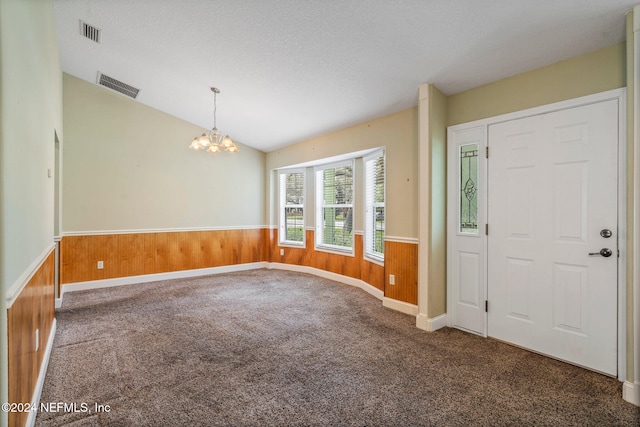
(32, 309)
(401, 260)
(133, 254)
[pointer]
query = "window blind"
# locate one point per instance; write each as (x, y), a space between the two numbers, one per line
(334, 201)
(292, 206)
(375, 183)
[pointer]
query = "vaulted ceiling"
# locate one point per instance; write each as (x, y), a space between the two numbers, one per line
(289, 70)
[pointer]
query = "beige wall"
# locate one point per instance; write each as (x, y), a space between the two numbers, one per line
(127, 167)
(582, 75)
(30, 112)
(399, 134)
(437, 274)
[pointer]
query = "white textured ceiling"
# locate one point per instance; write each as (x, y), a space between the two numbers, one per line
(289, 70)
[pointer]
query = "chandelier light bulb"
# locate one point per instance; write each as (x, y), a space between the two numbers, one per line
(226, 142)
(204, 141)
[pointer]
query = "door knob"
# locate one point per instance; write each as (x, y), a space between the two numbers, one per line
(605, 252)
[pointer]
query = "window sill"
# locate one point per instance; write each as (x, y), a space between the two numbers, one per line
(335, 251)
(291, 244)
(374, 260)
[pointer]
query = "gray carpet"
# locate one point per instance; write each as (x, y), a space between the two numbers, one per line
(276, 348)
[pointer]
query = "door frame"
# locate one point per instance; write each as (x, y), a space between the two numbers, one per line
(452, 204)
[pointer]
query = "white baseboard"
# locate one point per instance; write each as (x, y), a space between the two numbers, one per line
(35, 399)
(401, 306)
(393, 304)
(130, 280)
(431, 324)
(631, 392)
(422, 322)
(435, 323)
(331, 276)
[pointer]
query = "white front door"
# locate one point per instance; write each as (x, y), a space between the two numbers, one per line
(552, 193)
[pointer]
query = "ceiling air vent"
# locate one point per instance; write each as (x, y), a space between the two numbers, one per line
(118, 86)
(90, 32)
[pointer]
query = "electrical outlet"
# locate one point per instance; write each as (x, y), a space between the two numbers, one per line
(100, 265)
(37, 339)
(281, 252)
(392, 279)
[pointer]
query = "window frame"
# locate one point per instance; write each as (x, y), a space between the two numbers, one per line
(282, 202)
(320, 206)
(369, 203)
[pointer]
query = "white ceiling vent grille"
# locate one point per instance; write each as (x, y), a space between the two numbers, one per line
(118, 86)
(90, 32)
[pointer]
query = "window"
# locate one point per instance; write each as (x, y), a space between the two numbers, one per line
(468, 161)
(334, 204)
(292, 207)
(374, 184)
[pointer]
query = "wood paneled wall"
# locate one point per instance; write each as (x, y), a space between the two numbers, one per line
(401, 259)
(340, 264)
(148, 253)
(33, 309)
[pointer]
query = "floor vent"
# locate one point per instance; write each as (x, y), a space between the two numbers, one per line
(90, 32)
(118, 86)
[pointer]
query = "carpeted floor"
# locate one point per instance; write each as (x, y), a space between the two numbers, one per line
(277, 348)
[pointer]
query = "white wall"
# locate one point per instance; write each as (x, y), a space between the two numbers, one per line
(30, 113)
(127, 167)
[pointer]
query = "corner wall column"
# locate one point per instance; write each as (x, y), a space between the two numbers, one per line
(424, 203)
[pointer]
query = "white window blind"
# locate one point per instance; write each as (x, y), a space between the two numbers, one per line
(292, 207)
(374, 223)
(334, 204)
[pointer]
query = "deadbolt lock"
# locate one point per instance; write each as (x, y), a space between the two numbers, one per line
(606, 233)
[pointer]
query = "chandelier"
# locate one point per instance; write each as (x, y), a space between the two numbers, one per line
(214, 141)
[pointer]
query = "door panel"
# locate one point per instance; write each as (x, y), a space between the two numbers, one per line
(552, 188)
(467, 255)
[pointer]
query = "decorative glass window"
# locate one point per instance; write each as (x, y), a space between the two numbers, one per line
(468, 162)
(374, 177)
(334, 204)
(292, 207)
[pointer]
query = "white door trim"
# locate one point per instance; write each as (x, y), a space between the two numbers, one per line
(616, 94)
(631, 390)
